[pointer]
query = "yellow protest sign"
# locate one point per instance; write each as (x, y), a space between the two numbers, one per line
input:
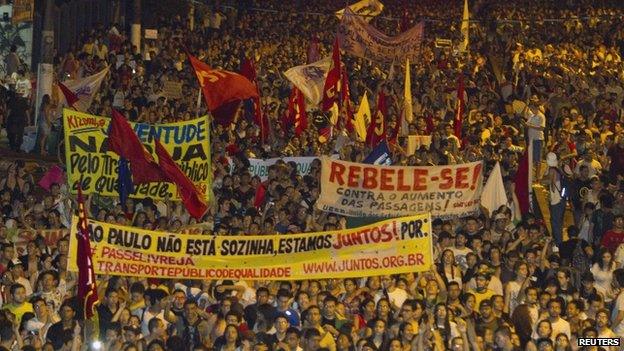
(393, 246)
(91, 163)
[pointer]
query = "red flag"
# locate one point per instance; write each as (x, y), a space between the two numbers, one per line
(248, 70)
(377, 129)
(457, 124)
(313, 50)
(429, 122)
(346, 100)
(123, 141)
(297, 112)
(521, 182)
(260, 195)
(226, 113)
(221, 87)
(69, 95)
(392, 140)
(192, 198)
(289, 115)
(331, 89)
(87, 290)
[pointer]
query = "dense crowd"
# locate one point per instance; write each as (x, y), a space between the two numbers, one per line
(544, 73)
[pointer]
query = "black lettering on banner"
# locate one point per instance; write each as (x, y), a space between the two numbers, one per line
(85, 183)
(105, 184)
(243, 247)
(96, 233)
(84, 163)
(76, 142)
(205, 247)
(128, 239)
(153, 190)
(191, 152)
(413, 229)
(168, 244)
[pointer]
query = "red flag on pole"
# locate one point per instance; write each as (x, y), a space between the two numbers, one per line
(377, 129)
(248, 70)
(221, 87)
(289, 115)
(69, 95)
(522, 184)
(123, 141)
(192, 198)
(331, 89)
(457, 124)
(87, 289)
(297, 112)
(392, 140)
(346, 101)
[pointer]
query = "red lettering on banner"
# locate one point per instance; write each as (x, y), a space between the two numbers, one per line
(401, 186)
(461, 178)
(354, 175)
(447, 178)
(370, 178)
(420, 179)
(386, 179)
(336, 173)
(475, 176)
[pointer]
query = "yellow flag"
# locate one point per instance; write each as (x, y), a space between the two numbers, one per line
(407, 95)
(334, 112)
(464, 28)
(362, 118)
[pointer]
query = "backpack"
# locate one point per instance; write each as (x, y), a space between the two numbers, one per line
(567, 184)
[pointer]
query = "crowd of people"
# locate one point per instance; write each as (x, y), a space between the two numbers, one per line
(541, 73)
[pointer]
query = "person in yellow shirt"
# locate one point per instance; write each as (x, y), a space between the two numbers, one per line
(481, 292)
(19, 306)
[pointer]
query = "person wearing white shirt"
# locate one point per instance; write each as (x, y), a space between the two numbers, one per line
(536, 123)
(617, 313)
(559, 325)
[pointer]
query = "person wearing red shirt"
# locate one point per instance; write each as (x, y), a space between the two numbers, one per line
(614, 237)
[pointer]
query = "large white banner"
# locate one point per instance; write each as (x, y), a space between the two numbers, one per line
(363, 190)
(359, 38)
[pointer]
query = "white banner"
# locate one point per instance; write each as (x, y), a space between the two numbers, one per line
(363, 190)
(85, 89)
(310, 79)
(359, 38)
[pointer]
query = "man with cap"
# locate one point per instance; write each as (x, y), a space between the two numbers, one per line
(16, 270)
(499, 231)
(481, 291)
